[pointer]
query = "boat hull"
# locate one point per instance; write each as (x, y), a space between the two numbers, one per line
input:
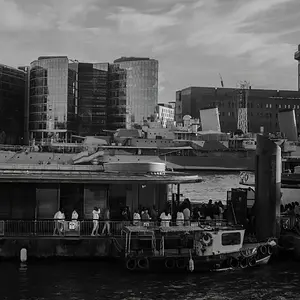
(214, 263)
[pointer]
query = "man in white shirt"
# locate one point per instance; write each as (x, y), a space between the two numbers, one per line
(59, 219)
(96, 216)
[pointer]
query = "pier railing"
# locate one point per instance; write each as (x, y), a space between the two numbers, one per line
(47, 228)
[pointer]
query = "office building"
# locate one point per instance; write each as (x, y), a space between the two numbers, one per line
(133, 91)
(92, 97)
(12, 101)
(52, 99)
(262, 106)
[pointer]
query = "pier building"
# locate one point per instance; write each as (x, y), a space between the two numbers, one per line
(32, 194)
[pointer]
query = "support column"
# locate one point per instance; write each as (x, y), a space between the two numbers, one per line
(267, 188)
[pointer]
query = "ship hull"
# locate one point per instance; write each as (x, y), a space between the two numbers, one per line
(206, 161)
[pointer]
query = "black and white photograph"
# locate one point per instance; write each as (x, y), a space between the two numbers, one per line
(149, 149)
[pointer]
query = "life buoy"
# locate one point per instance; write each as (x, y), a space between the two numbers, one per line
(233, 262)
(263, 250)
(246, 252)
(181, 263)
(143, 263)
(252, 262)
(207, 239)
(269, 249)
(131, 264)
(244, 263)
(170, 263)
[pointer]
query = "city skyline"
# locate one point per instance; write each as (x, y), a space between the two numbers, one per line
(253, 40)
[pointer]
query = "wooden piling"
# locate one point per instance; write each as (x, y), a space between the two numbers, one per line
(267, 188)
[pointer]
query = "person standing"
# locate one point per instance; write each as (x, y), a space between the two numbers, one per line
(106, 226)
(96, 216)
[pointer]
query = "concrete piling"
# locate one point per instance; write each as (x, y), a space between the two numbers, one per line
(267, 188)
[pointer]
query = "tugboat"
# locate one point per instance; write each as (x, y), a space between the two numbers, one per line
(197, 247)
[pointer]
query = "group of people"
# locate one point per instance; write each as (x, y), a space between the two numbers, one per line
(292, 208)
(181, 215)
(59, 221)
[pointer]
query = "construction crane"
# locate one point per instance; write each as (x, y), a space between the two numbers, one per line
(222, 82)
(242, 104)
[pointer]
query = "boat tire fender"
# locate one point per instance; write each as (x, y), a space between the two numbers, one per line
(233, 262)
(263, 250)
(181, 263)
(269, 249)
(170, 263)
(131, 264)
(244, 263)
(143, 263)
(207, 239)
(252, 262)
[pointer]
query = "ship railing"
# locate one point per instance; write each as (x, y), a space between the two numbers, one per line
(84, 228)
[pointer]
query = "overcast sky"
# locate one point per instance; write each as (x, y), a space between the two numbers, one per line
(194, 40)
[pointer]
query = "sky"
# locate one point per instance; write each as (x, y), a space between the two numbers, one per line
(194, 40)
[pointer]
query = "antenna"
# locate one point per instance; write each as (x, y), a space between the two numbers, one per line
(222, 82)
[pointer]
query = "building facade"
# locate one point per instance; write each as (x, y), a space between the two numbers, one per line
(92, 97)
(52, 98)
(134, 90)
(165, 113)
(262, 106)
(12, 105)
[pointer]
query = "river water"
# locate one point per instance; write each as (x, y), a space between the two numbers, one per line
(102, 280)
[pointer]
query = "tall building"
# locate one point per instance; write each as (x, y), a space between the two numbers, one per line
(262, 106)
(92, 97)
(133, 92)
(297, 57)
(52, 98)
(12, 101)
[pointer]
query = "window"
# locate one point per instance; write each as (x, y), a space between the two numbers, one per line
(229, 239)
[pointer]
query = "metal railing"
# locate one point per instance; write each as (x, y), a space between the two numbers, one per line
(48, 228)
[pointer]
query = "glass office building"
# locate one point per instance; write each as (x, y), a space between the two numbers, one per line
(92, 98)
(52, 99)
(133, 92)
(12, 101)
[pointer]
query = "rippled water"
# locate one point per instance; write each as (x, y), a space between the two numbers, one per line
(214, 186)
(99, 280)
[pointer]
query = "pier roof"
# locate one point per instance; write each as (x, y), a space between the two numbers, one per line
(86, 174)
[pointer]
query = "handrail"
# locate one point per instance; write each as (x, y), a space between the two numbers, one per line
(63, 228)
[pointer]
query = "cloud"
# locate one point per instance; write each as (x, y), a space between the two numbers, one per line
(193, 40)
(226, 33)
(131, 20)
(13, 18)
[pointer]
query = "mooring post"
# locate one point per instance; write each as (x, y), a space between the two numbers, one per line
(267, 188)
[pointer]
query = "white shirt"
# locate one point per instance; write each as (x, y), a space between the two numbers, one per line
(187, 214)
(180, 216)
(59, 216)
(165, 219)
(96, 214)
(74, 215)
(136, 216)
